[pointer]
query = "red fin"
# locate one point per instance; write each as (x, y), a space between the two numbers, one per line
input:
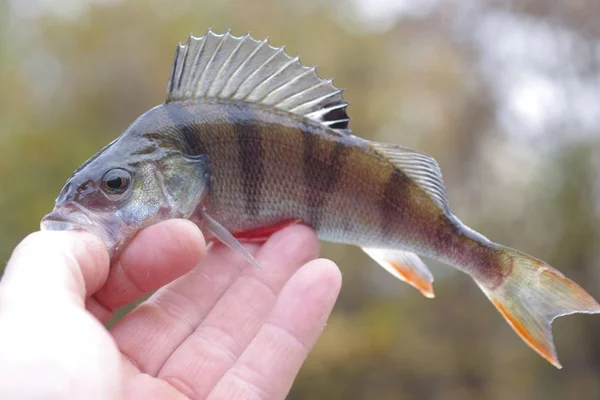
(405, 266)
(262, 234)
(538, 345)
(409, 276)
(532, 296)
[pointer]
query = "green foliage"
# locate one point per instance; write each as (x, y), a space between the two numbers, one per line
(73, 81)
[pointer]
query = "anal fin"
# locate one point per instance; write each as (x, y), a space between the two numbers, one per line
(405, 266)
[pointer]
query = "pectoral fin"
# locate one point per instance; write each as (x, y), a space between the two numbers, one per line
(225, 237)
(405, 266)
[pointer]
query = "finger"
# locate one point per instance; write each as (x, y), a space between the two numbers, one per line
(53, 265)
(45, 333)
(142, 386)
(101, 313)
(149, 334)
(204, 357)
(156, 256)
(269, 365)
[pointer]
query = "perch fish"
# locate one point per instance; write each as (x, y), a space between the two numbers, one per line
(249, 140)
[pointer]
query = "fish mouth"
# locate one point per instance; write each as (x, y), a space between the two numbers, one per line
(53, 224)
(73, 217)
(56, 221)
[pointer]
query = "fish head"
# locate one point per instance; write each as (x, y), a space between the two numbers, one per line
(115, 194)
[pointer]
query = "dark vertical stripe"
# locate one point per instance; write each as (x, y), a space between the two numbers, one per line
(251, 162)
(322, 172)
(183, 132)
(396, 196)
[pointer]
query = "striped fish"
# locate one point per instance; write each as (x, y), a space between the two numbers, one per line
(249, 140)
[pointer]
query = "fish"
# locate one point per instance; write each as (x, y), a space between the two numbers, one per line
(249, 140)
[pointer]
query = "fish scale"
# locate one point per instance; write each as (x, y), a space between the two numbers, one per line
(249, 140)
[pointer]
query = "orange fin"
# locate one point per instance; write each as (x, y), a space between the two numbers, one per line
(532, 296)
(405, 266)
(262, 234)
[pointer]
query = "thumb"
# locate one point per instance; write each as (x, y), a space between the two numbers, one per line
(50, 346)
(55, 265)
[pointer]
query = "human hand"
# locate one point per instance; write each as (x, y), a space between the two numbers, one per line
(219, 330)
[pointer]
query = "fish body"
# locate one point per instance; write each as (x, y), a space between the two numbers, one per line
(269, 167)
(249, 140)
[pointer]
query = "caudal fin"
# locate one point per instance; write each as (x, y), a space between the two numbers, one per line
(532, 296)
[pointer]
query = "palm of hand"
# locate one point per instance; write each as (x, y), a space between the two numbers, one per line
(219, 330)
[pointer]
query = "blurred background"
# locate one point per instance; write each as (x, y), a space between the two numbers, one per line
(504, 93)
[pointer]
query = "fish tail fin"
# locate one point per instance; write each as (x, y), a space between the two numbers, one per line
(532, 296)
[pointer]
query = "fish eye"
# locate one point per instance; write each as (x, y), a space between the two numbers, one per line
(116, 181)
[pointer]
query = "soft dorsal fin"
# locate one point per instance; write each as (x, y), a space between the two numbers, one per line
(420, 167)
(245, 69)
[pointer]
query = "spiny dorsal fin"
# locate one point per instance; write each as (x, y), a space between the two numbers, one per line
(245, 69)
(420, 167)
